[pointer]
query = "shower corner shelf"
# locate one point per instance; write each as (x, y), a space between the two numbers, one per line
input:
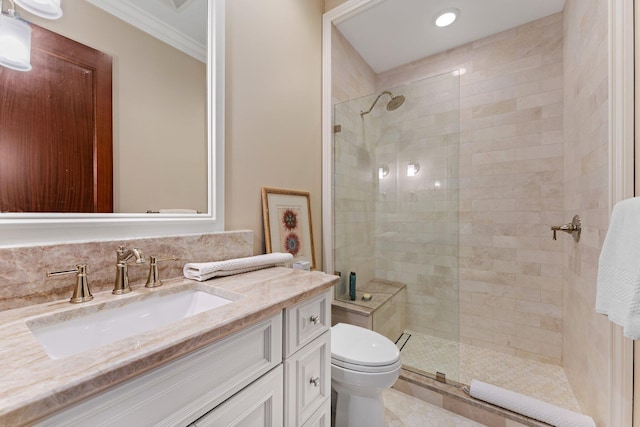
(384, 313)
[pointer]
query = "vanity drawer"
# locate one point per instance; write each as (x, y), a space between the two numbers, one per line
(307, 376)
(306, 321)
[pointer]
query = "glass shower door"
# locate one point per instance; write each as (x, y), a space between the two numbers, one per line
(396, 210)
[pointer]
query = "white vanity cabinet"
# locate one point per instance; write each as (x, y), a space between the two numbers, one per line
(307, 363)
(182, 391)
(273, 373)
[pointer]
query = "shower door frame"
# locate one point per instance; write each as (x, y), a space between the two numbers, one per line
(621, 143)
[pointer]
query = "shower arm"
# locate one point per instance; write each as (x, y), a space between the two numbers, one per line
(362, 113)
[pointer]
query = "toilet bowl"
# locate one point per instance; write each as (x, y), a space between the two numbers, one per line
(363, 364)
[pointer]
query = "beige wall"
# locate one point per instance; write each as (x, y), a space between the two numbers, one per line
(330, 4)
(159, 96)
(587, 338)
(273, 108)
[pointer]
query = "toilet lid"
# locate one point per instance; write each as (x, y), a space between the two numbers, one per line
(360, 346)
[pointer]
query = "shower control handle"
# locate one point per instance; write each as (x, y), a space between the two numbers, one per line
(315, 319)
(574, 228)
(315, 381)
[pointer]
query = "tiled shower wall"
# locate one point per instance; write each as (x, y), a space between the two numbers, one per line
(587, 335)
(511, 173)
(511, 185)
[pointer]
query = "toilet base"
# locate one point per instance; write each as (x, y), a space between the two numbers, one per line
(359, 407)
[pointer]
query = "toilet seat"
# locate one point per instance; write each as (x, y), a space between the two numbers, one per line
(362, 350)
(364, 368)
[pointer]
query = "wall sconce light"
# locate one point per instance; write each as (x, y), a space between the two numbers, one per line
(413, 168)
(383, 171)
(48, 9)
(15, 33)
(15, 42)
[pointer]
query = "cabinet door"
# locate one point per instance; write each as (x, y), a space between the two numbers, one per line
(307, 380)
(322, 417)
(259, 405)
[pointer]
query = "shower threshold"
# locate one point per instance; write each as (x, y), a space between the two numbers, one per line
(423, 355)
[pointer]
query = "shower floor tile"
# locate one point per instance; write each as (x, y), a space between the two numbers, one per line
(402, 410)
(463, 362)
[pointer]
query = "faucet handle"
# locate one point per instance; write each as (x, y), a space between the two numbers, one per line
(153, 281)
(81, 292)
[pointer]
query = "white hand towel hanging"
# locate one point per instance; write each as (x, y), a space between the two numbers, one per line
(618, 286)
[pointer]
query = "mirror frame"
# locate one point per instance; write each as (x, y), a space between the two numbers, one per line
(17, 229)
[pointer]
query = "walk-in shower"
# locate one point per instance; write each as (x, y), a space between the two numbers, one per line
(410, 210)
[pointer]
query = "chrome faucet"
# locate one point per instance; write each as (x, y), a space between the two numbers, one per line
(121, 285)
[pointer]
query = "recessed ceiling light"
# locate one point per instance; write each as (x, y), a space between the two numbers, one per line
(446, 17)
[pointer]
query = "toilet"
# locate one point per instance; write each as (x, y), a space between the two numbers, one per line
(363, 364)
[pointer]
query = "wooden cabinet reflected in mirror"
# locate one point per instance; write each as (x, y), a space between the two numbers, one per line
(56, 129)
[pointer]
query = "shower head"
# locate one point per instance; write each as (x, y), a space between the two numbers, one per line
(393, 104)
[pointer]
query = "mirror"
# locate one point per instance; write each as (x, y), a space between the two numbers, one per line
(166, 132)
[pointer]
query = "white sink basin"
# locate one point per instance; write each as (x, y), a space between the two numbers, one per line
(95, 329)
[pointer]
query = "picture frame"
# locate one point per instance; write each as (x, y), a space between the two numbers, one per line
(287, 223)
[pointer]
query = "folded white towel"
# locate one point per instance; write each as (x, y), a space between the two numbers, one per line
(618, 286)
(528, 406)
(206, 270)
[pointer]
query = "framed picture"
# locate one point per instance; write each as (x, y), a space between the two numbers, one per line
(287, 223)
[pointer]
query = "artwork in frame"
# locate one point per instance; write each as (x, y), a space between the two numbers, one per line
(287, 223)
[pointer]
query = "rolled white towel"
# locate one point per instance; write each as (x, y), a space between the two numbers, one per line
(206, 270)
(529, 406)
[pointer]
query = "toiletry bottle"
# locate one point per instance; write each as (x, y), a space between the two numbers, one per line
(352, 286)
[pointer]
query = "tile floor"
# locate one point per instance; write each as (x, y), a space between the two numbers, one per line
(402, 410)
(463, 362)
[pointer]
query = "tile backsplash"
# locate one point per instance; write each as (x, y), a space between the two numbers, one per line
(23, 278)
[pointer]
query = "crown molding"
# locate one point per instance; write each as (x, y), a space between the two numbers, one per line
(151, 25)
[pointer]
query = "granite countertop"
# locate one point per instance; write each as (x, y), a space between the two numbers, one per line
(33, 386)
